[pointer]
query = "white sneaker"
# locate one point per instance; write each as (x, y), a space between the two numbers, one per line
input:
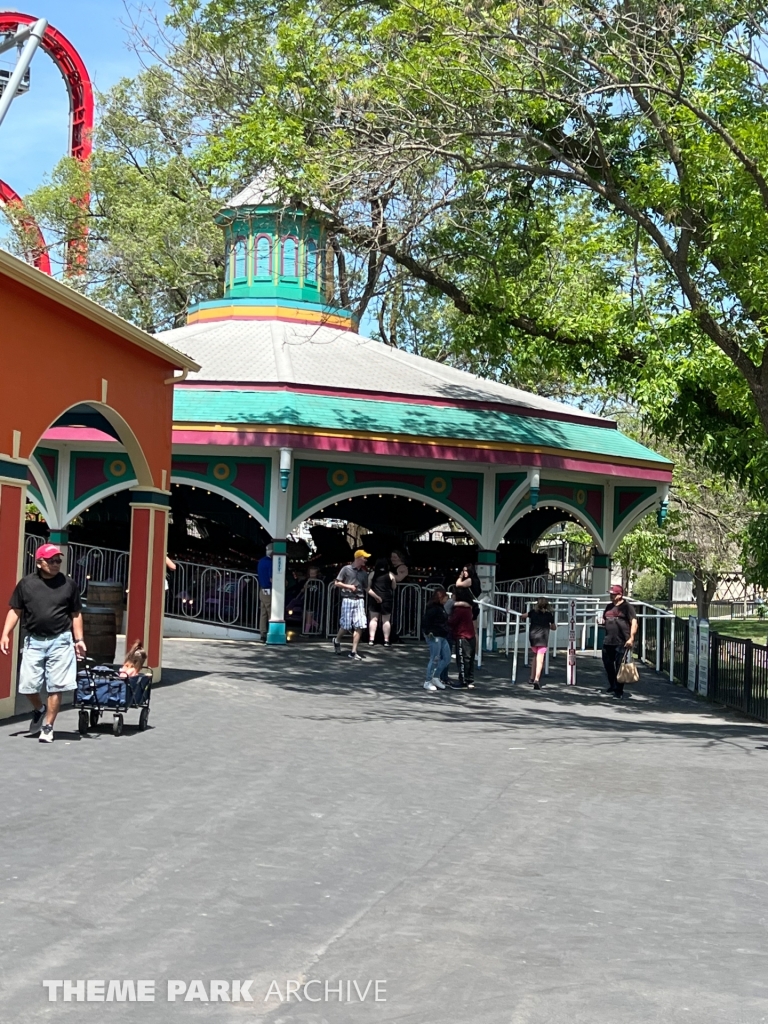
(429, 685)
(46, 734)
(439, 683)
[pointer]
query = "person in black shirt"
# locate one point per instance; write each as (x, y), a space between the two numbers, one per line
(381, 591)
(620, 622)
(434, 625)
(540, 622)
(48, 604)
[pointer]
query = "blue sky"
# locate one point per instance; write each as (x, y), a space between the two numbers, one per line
(35, 133)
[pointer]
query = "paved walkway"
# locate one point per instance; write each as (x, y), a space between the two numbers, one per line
(493, 857)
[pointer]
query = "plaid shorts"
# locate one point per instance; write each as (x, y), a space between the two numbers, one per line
(352, 613)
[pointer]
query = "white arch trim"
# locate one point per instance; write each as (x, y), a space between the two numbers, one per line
(48, 500)
(361, 492)
(205, 485)
(500, 525)
(122, 485)
(553, 502)
(649, 505)
(127, 438)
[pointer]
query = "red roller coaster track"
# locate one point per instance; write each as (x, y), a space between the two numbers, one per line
(78, 82)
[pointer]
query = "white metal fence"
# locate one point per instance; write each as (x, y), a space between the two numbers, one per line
(501, 626)
(207, 593)
(543, 584)
(101, 565)
(31, 544)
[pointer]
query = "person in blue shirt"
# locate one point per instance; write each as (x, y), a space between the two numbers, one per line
(264, 573)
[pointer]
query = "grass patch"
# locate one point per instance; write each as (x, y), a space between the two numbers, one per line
(743, 629)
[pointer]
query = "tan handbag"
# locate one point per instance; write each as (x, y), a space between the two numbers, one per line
(628, 670)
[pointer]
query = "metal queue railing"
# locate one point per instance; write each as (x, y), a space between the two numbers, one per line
(86, 562)
(207, 593)
(655, 642)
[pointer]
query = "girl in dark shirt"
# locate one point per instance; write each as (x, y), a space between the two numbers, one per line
(540, 622)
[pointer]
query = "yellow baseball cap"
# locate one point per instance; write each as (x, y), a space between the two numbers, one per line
(361, 554)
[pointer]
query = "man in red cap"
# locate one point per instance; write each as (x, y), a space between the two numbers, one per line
(620, 621)
(48, 604)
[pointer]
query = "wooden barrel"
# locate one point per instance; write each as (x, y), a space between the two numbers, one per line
(107, 595)
(100, 633)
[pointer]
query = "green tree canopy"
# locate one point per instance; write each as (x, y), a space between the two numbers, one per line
(559, 194)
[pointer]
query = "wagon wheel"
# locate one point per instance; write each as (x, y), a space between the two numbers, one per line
(94, 718)
(82, 722)
(143, 719)
(117, 725)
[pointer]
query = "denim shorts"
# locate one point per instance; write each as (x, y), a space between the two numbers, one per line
(48, 662)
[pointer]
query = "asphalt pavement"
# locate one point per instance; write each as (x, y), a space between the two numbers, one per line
(494, 856)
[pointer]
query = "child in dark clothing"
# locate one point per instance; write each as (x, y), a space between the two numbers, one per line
(462, 629)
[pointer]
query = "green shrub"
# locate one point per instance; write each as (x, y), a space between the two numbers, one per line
(651, 586)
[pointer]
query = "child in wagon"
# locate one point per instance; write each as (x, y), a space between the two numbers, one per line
(134, 661)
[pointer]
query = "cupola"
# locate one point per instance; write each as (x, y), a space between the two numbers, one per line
(278, 263)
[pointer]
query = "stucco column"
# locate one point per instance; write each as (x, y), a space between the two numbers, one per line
(146, 578)
(13, 499)
(276, 631)
(601, 573)
(486, 571)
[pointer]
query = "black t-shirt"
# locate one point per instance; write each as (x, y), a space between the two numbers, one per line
(538, 631)
(435, 621)
(618, 623)
(46, 606)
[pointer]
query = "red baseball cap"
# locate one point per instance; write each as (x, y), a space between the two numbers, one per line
(47, 551)
(616, 589)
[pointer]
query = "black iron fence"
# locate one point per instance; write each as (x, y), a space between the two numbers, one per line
(736, 671)
(738, 675)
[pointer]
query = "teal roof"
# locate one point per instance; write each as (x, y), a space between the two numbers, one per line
(318, 412)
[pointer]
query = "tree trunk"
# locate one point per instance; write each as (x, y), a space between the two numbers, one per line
(704, 588)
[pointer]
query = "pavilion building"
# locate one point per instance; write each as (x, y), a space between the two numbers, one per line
(293, 411)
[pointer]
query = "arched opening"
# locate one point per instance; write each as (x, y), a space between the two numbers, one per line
(549, 546)
(262, 258)
(289, 257)
(433, 540)
(310, 262)
(241, 259)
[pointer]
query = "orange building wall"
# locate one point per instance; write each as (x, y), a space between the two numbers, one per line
(54, 358)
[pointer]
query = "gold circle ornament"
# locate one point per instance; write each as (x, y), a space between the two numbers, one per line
(439, 485)
(221, 471)
(581, 496)
(339, 477)
(117, 467)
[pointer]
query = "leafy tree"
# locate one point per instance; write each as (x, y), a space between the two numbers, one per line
(147, 202)
(587, 180)
(707, 525)
(558, 194)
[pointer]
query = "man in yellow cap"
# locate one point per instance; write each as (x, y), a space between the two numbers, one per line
(353, 580)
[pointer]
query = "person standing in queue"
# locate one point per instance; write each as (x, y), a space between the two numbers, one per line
(468, 588)
(353, 580)
(434, 625)
(264, 574)
(48, 604)
(400, 570)
(462, 629)
(620, 621)
(381, 591)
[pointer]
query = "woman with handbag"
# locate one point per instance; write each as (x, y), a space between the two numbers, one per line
(620, 621)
